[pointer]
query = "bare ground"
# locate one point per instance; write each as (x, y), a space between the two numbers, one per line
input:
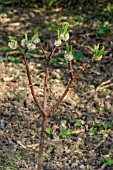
(90, 100)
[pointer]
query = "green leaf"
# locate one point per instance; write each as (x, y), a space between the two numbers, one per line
(78, 55)
(11, 38)
(1, 59)
(37, 65)
(34, 37)
(108, 91)
(5, 48)
(28, 56)
(76, 23)
(48, 131)
(36, 30)
(65, 26)
(78, 122)
(92, 129)
(51, 25)
(97, 52)
(106, 124)
(12, 59)
(101, 109)
(101, 30)
(102, 132)
(106, 23)
(65, 132)
(99, 124)
(68, 48)
(108, 161)
(53, 60)
(62, 29)
(61, 59)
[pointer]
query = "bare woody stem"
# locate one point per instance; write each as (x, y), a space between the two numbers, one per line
(51, 54)
(31, 85)
(83, 68)
(69, 85)
(62, 97)
(41, 146)
(44, 122)
(70, 69)
(45, 84)
(42, 48)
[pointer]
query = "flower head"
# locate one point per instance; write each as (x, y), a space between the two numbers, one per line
(65, 37)
(24, 43)
(68, 56)
(57, 43)
(36, 41)
(13, 44)
(31, 46)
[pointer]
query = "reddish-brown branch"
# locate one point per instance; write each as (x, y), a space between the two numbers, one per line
(62, 97)
(82, 69)
(43, 50)
(41, 146)
(70, 69)
(45, 84)
(52, 52)
(31, 85)
(69, 85)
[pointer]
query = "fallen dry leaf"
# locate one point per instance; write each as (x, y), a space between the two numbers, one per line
(11, 84)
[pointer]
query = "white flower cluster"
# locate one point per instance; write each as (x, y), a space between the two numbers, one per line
(64, 37)
(24, 43)
(58, 43)
(68, 56)
(30, 45)
(36, 41)
(13, 44)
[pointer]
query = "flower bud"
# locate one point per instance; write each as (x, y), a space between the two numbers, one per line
(68, 56)
(24, 43)
(65, 37)
(36, 41)
(31, 46)
(57, 43)
(13, 44)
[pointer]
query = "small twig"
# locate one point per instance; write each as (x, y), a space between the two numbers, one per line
(33, 146)
(99, 144)
(102, 118)
(105, 82)
(83, 68)
(52, 52)
(103, 87)
(23, 146)
(42, 48)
